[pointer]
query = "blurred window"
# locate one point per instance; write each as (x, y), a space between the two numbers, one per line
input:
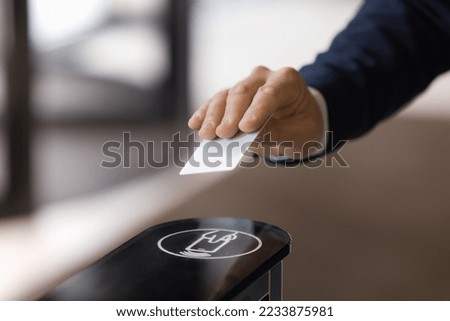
(98, 68)
(102, 59)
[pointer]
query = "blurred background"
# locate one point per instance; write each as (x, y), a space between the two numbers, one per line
(95, 66)
(90, 70)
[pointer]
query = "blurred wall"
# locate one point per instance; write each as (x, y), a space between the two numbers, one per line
(230, 38)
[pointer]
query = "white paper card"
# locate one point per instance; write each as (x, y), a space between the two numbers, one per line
(219, 155)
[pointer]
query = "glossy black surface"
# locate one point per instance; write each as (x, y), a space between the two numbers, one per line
(195, 259)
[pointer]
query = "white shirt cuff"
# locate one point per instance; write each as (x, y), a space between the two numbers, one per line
(324, 111)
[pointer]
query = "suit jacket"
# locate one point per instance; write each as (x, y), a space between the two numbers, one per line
(389, 53)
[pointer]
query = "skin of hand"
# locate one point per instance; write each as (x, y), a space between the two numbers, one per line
(296, 120)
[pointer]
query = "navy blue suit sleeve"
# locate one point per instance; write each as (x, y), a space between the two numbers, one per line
(389, 53)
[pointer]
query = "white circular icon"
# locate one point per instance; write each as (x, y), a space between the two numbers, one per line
(209, 243)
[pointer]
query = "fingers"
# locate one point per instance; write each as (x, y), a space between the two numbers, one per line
(238, 100)
(213, 116)
(196, 121)
(220, 115)
(247, 105)
(281, 89)
(283, 94)
(263, 105)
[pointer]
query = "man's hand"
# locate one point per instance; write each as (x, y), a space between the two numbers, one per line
(296, 117)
